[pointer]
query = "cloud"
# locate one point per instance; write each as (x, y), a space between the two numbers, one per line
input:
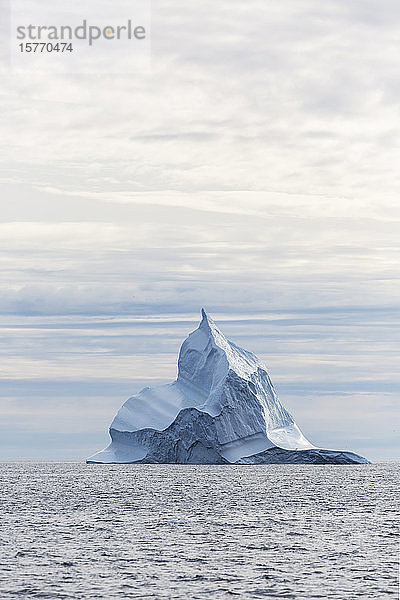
(229, 104)
(289, 251)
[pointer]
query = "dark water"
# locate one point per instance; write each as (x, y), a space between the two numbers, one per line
(160, 531)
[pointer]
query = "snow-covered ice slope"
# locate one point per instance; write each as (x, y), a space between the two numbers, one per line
(222, 408)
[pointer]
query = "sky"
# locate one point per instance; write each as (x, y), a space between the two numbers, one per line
(251, 168)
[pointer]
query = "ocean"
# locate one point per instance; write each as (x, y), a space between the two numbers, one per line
(71, 530)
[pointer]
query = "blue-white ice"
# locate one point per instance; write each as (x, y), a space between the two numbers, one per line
(222, 408)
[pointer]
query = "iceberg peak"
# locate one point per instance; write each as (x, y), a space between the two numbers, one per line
(207, 323)
(208, 343)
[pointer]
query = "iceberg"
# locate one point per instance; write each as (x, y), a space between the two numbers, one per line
(221, 409)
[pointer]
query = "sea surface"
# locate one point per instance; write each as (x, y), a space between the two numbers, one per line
(71, 530)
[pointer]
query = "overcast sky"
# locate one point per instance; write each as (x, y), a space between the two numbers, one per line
(253, 170)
